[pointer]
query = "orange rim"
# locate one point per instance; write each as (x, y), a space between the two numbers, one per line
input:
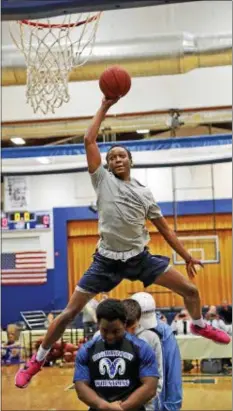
(58, 26)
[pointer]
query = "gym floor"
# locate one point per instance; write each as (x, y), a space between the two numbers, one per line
(52, 390)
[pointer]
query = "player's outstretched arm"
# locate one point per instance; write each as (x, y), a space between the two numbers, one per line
(92, 150)
(170, 236)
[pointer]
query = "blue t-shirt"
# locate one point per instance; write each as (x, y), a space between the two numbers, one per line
(8, 357)
(114, 372)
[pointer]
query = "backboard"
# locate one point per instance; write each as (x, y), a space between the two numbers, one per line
(204, 248)
(28, 9)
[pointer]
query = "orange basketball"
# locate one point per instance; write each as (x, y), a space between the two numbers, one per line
(115, 82)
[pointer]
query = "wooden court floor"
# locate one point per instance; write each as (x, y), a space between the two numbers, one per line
(50, 391)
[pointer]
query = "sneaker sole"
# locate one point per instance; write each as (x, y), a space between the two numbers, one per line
(18, 386)
(25, 386)
(216, 342)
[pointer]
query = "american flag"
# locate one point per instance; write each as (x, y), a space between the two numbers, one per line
(24, 267)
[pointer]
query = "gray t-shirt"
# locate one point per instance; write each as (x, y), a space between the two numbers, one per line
(123, 208)
(153, 340)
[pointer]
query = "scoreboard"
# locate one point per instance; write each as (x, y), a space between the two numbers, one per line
(26, 220)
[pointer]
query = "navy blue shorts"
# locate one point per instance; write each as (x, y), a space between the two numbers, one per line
(104, 274)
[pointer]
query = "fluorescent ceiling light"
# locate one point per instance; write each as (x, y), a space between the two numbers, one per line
(143, 131)
(18, 141)
(43, 160)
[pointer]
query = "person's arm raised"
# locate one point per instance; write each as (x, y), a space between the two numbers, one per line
(91, 147)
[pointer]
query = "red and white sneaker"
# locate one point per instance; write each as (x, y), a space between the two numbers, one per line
(211, 333)
(25, 374)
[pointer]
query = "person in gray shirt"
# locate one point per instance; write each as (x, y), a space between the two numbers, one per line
(133, 326)
(89, 318)
(124, 205)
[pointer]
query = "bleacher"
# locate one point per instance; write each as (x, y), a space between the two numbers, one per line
(34, 320)
(33, 326)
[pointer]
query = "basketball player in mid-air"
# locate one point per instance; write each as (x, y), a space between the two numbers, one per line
(123, 206)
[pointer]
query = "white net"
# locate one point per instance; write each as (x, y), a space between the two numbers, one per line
(51, 51)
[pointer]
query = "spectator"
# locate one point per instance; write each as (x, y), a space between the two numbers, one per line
(225, 313)
(181, 326)
(11, 349)
(181, 323)
(89, 318)
(221, 318)
(170, 398)
(212, 311)
(213, 318)
(163, 318)
(49, 320)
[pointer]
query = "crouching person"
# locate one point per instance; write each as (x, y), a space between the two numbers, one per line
(170, 399)
(115, 370)
(133, 326)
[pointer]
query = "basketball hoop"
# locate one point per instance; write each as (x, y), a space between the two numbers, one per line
(51, 51)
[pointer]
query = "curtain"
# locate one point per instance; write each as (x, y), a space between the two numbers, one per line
(214, 281)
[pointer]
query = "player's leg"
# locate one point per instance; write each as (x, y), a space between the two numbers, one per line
(77, 302)
(155, 269)
(33, 366)
(177, 283)
(100, 277)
